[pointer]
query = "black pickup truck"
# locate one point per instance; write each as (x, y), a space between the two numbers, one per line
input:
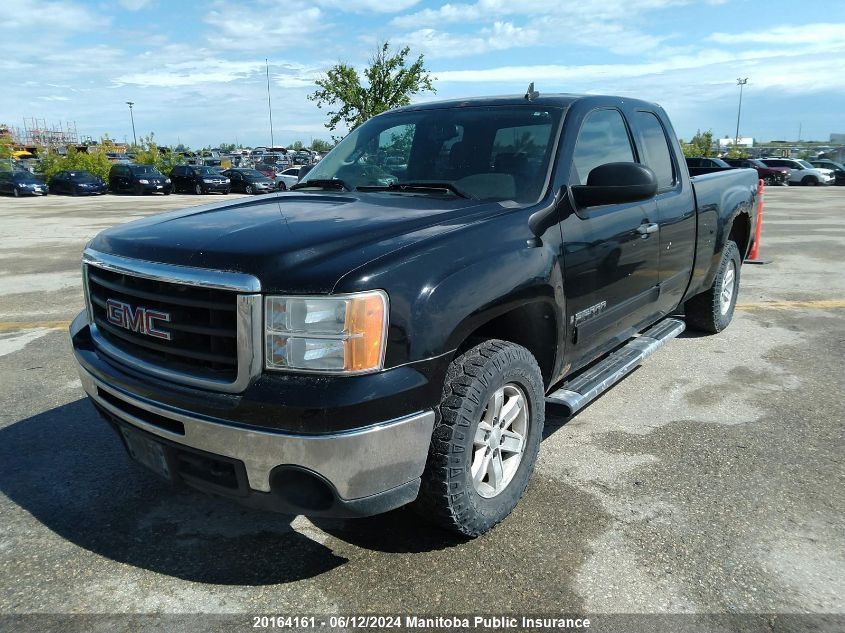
(375, 337)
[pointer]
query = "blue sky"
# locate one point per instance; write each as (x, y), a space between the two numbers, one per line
(195, 70)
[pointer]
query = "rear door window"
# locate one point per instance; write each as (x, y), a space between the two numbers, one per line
(656, 152)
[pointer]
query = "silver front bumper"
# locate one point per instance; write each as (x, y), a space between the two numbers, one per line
(357, 463)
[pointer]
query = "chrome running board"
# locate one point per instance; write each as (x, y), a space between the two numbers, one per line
(593, 382)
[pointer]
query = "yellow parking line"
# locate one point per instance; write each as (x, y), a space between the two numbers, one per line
(819, 304)
(14, 326)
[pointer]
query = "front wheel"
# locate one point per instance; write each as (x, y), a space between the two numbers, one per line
(485, 440)
(198, 190)
(809, 181)
(249, 189)
(713, 309)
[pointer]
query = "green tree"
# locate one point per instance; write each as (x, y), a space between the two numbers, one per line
(319, 145)
(737, 152)
(388, 83)
(149, 153)
(296, 146)
(701, 144)
(6, 146)
(94, 160)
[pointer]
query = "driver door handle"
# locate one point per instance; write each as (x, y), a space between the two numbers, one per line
(647, 229)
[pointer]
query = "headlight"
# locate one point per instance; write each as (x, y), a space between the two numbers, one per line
(144, 181)
(207, 180)
(343, 334)
(166, 181)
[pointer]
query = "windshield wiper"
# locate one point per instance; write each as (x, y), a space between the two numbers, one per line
(418, 186)
(323, 183)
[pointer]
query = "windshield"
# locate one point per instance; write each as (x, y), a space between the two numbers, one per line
(756, 162)
(145, 170)
(208, 171)
(82, 176)
(490, 153)
(805, 164)
(23, 177)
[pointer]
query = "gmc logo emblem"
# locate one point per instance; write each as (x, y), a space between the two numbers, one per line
(141, 320)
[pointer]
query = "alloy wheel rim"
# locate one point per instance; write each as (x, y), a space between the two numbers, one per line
(500, 439)
(727, 293)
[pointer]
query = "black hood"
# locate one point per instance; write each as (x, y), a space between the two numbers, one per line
(293, 242)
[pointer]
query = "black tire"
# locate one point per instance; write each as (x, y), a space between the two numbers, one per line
(248, 189)
(282, 187)
(198, 189)
(447, 494)
(15, 192)
(706, 311)
(768, 181)
(808, 181)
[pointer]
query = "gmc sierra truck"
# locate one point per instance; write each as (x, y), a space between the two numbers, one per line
(392, 330)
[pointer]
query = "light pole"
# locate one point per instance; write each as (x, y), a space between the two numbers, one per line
(269, 105)
(132, 116)
(740, 83)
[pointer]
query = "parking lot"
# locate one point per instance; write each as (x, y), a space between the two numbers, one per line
(709, 481)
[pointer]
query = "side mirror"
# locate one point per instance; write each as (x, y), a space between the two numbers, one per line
(616, 183)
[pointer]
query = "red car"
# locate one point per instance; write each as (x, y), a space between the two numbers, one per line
(769, 175)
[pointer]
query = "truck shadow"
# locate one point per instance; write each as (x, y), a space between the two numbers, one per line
(68, 470)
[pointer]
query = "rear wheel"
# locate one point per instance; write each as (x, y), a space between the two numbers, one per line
(485, 440)
(712, 310)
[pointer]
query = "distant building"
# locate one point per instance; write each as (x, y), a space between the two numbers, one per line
(744, 141)
(837, 139)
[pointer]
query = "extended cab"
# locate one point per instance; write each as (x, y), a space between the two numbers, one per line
(374, 338)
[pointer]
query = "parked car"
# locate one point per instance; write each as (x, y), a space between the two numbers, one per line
(707, 162)
(199, 180)
(769, 175)
(803, 173)
(250, 181)
(138, 179)
(78, 183)
(347, 350)
(287, 178)
(22, 183)
(838, 168)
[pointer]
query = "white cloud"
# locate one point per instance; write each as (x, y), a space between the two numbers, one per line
(805, 34)
(238, 27)
(368, 6)
(49, 19)
(500, 36)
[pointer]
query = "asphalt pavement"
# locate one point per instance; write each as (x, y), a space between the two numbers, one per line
(709, 481)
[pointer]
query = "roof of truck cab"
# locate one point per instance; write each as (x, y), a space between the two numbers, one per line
(562, 100)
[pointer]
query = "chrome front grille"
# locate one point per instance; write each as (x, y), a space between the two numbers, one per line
(193, 326)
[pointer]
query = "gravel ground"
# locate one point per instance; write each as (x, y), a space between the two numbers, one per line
(708, 482)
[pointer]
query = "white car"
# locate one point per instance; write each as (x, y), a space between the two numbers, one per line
(289, 176)
(803, 173)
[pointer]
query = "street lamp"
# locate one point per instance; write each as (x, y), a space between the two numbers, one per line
(131, 116)
(740, 83)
